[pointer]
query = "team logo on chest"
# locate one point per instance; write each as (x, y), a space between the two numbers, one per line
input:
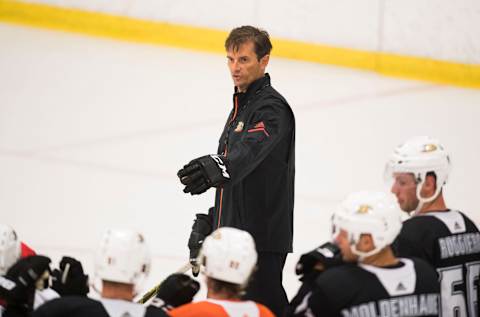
(239, 127)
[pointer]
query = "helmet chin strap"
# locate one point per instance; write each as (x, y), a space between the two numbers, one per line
(421, 200)
(362, 255)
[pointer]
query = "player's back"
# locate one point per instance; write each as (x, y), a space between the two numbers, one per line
(407, 289)
(450, 242)
(221, 308)
(79, 306)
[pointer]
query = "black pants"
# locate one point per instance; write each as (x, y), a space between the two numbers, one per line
(265, 286)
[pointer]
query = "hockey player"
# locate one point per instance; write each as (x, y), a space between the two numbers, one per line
(121, 263)
(11, 250)
(444, 237)
(309, 267)
(254, 168)
(229, 257)
(365, 225)
(20, 284)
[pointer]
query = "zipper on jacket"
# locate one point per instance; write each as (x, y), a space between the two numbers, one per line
(235, 110)
(221, 198)
(227, 135)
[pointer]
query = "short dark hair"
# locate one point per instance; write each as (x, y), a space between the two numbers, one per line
(233, 290)
(246, 33)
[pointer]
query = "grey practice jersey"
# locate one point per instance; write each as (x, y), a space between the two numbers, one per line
(450, 242)
(407, 289)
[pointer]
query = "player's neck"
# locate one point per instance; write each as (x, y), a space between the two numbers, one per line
(221, 295)
(117, 291)
(438, 204)
(381, 259)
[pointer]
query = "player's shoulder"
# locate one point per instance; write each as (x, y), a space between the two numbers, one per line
(470, 224)
(342, 278)
(451, 222)
(202, 308)
(74, 301)
(272, 101)
(264, 311)
(426, 275)
(419, 233)
(69, 305)
(423, 268)
(276, 95)
(421, 220)
(274, 104)
(152, 311)
(26, 250)
(421, 224)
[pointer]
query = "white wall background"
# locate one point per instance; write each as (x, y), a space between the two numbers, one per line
(438, 29)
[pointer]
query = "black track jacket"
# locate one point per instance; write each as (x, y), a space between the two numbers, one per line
(259, 143)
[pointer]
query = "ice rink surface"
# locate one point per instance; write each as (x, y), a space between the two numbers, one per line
(93, 131)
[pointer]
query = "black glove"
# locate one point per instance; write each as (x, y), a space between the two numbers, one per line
(69, 279)
(202, 227)
(319, 259)
(204, 172)
(18, 286)
(176, 290)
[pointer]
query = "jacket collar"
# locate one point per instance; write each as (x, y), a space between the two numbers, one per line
(254, 87)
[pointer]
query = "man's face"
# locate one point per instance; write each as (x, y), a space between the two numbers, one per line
(343, 242)
(405, 188)
(244, 66)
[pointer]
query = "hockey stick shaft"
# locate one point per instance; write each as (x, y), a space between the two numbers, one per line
(184, 268)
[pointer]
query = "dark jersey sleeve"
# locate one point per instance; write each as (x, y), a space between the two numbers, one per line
(270, 125)
(298, 304)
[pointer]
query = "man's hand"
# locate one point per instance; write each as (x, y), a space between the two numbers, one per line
(204, 172)
(202, 227)
(176, 290)
(70, 279)
(325, 256)
(18, 286)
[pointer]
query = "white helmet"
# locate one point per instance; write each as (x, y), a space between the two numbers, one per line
(229, 255)
(123, 257)
(10, 250)
(374, 213)
(420, 155)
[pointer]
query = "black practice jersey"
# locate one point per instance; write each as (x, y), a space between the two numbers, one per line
(450, 242)
(76, 306)
(407, 289)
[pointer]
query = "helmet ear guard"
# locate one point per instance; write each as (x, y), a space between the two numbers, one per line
(419, 156)
(373, 213)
